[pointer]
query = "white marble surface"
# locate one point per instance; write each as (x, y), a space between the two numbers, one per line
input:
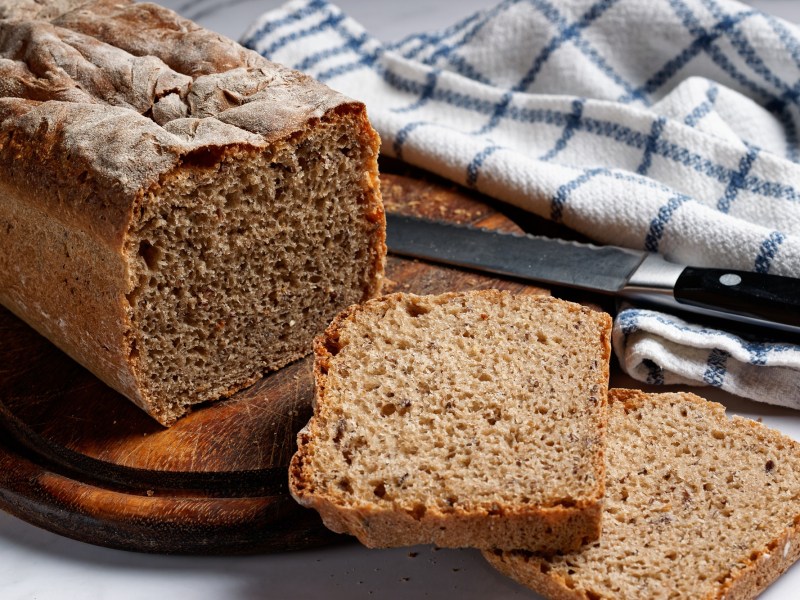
(35, 564)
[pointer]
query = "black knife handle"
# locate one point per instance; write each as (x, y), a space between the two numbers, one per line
(757, 295)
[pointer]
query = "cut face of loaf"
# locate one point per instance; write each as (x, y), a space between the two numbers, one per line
(180, 216)
(466, 419)
(235, 271)
(697, 506)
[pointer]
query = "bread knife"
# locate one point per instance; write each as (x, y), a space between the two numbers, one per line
(755, 299)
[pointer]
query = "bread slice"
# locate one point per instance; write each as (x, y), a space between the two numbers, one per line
(178, 214)
(466, 419)
(697, 506)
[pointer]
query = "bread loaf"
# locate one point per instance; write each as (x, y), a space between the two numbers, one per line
(466, 419)
(177, 213)
(697, 506)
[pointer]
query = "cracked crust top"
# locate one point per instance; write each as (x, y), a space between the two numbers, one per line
(111, 95)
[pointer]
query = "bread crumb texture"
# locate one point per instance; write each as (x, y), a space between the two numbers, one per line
(697, 506)
(182, 215)
(465, 419)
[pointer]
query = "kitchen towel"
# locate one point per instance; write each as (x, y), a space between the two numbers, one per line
(668, 125)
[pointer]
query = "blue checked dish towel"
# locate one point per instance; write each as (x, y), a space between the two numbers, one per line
(667, 125)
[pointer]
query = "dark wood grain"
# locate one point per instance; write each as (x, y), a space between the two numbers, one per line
(78, 459)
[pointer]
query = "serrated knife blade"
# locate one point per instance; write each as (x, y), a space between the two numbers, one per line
(757, 299)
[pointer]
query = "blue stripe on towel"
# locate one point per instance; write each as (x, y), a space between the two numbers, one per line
(425, 95)
(402, 136)
(703, 41)
(569, 130)
(716, 367)
(329, 23)
(655, 133)
(737, 180)
(704, 108)
(473, 169)
(659, 223)
(565, 33)
(562, 194)
(655, 374)
(270, 26)
(768, 250)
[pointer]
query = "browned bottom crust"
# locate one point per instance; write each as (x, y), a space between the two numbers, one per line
(763, 567)
(542, 529)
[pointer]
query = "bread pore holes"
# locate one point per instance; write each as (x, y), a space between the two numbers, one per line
(469, 432)
(341, 427)
(150, 254)
(333, 347)
(415, 309)
(380, 490)
(418, 511)
(496, 510)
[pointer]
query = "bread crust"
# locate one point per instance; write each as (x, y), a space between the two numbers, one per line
(545, 528)
(141, 29)
(93, 123)
(759, 567)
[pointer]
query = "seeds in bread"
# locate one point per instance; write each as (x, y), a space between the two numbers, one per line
(178, 214)
(465, 419)
(697, 506)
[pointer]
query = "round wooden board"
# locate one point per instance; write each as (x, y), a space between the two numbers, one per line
(78, 459)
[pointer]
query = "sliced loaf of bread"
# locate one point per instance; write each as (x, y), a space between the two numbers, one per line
(178, 214)
(697, 506)
(465, 419)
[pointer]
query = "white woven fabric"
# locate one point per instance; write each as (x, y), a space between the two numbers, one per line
(662, 349)
(667, 125)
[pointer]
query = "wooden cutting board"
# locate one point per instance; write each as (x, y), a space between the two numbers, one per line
(80, 460)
